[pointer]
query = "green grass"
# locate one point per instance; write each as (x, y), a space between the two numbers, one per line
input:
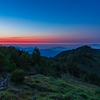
(49, 88)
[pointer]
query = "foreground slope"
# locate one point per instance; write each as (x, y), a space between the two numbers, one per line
(40, 87)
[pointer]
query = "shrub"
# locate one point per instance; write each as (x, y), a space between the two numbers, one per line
(17, 76)
(85, 78)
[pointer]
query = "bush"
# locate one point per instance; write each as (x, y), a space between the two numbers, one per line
(85, 78)
(17, 76)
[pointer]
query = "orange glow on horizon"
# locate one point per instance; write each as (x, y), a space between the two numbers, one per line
(54, 38)
(10, 43)
(44, 40)
(33, 38)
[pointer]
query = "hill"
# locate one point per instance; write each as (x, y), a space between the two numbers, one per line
(81, 61)
(68, 76)
(87, 59)
(80, 50)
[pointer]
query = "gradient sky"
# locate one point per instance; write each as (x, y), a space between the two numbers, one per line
(49, 21)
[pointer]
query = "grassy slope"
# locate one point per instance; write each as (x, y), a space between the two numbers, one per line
(49, 88)
(87, 59)
(87, 64)
(80, 50)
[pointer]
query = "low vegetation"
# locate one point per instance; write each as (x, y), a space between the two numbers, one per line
(40, 87)
(17, 76)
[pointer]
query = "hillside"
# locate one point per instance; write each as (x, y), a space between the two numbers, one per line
(82, 61)
(80, 50)
(68, 76)
(40, 87)
(87, 59)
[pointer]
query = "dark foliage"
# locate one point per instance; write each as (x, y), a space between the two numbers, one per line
(17, 76)
(67, 61)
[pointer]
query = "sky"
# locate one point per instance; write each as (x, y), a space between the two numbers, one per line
(49, 22)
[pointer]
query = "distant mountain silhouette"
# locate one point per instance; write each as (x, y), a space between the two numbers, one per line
(44, 52)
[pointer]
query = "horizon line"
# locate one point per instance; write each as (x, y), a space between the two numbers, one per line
(10, 43)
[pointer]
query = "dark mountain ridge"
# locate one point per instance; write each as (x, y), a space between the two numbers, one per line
(82, 61)
(80, 50)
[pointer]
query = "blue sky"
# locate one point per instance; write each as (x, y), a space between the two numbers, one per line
(52, 11)
(50, 21)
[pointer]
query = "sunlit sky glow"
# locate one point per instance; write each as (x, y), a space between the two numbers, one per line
(49, 22)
